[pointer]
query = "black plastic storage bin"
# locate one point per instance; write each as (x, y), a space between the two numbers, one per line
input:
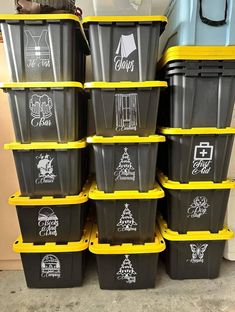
(44, 47)
(49, 169)
(125, 108)
(126, 216)
(49, 219)
(197, 154)
(201, 89)
(195, 206)
(124, 47)
(52, 265)
(125, 162)
(195, 255)
(47, 111)
(126, 266)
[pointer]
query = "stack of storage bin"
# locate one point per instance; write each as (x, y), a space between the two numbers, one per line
(46, 54)
(195, 115)
(125, 104)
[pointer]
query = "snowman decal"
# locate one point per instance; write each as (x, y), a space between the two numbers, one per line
(45, 167)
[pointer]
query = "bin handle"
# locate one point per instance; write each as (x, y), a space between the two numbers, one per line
(209, 22)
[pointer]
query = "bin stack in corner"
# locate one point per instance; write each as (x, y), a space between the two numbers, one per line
(195, 115)
(125, 100)
(46, 54)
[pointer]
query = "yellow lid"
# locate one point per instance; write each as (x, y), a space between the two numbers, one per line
(113, 19)
(180, 131)
(170, 235)
(27, 17)
(95, 194)
(45, 145)
(197, 53)
(83, 244)
(125, 84)
(126, 139)
(48, 84)
(18, 200)
(106, 249)
(198, 185)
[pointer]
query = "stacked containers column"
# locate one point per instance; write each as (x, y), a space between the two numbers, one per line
(195, 115)
(46, 54)
(125, 103)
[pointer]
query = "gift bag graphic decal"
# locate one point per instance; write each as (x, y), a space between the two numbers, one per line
(126, 111)
(202, 160)
(37, 50)
(125, 48)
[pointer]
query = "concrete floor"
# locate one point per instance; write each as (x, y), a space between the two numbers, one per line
(168, 296)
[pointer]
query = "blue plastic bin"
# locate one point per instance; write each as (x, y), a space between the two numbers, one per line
(199, 22)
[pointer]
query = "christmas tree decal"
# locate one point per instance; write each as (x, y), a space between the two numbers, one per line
(126, 221)
(126, 271)
(125, 171)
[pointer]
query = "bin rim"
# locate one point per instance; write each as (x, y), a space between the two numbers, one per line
(192, 131)
(126, 139)
(125, 84)
(170, 235)
(106, 249)
(110, 19)
(196, 185)
(197, 53)
(45, 145)
(20, 17)
(95, 194)
(47, 84)
(18, 200)
(20, 247)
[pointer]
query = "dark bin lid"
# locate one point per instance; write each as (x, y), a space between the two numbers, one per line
(95, 194)
(197, 53)
(195, 185)
(170, 235)
(127, 19)
(83, 244)
(106, 249)
(195, 131)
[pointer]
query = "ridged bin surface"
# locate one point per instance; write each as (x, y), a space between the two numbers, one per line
(200, 94)
(194, 259)
(127, 271)
(186, 158)
(51, 223)
(120, 111)
(126, 221)
(125, 166)
(44, 50)
(49, 172)
(48, 114)
(53, 270)
(194, 210)
(124, 51)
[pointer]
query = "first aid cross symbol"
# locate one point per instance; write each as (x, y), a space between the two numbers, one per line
(203, 153)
